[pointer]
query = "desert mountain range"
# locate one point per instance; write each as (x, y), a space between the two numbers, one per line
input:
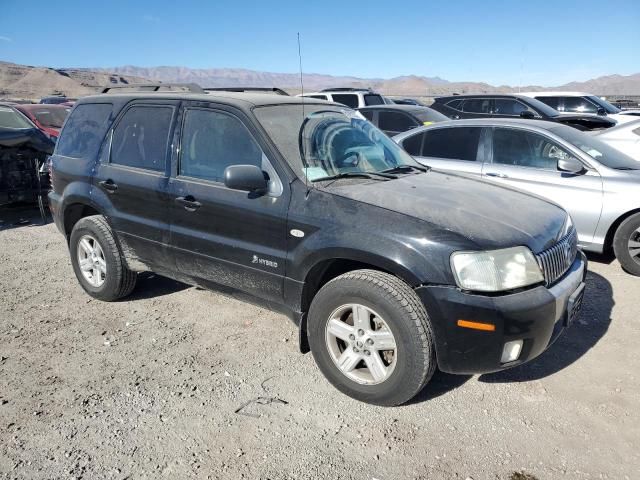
(29, 82)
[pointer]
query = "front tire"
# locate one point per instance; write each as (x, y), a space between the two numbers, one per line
(626, 244)
(371, 337)
(98, 262)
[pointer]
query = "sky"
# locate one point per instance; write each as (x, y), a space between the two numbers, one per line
(500, 42)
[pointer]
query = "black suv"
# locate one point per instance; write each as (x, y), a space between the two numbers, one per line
(388, 268)
(513, 106)
(395, 119)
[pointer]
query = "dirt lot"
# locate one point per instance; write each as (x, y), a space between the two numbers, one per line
(150, 388)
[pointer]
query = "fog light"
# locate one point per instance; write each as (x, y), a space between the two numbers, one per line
(511, 351)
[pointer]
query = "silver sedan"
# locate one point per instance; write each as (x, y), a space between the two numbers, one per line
(597, 184)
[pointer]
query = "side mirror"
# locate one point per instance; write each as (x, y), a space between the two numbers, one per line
(602, 111)
(527, 114)
(570, 165)
(248, 178)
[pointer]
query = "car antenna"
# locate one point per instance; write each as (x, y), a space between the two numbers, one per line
(306, 180)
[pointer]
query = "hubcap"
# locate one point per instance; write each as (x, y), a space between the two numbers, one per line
(361, 344)
(634, 245)
(91, 260)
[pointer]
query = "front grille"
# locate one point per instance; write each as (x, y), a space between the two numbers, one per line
(555, 261)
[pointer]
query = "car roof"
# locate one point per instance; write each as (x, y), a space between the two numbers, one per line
(405, 108)
(246, 100)
(556, 94)
(36, 106)
(497, 122)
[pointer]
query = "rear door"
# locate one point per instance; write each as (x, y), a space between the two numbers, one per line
(528, 161)
(392, 122)
(132, 177)
(453, 149)
(228, 237)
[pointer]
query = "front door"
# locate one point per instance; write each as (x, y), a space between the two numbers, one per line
(528, 161)
(132, 178)
(229, 237)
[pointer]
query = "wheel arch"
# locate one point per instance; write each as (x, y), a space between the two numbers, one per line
(74, 211)
(613, 228)
(325, 270)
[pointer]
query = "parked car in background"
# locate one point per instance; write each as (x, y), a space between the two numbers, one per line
(23, 149)
(579, 102)
(624, 137)
(625, 105)
(55, 99)
(48, 118)
(351, 97)
(514, 106)
(388, 268)
(394, 119)
(407, 101)
(597, 184)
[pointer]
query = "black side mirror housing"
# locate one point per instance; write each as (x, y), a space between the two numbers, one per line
(602, 111)
(248, 178)
(527, 114)
(570, 165)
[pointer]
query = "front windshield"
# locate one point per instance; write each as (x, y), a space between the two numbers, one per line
(325, 141)
(604, 104)
(9, 118)
(599, 151)
(51, 116)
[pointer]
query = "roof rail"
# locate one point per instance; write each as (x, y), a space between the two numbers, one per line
(277, 90)
(156, 87)
(346, 89)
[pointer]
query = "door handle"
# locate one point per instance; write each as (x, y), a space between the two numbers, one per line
(189, 203)
(498, 175)
(108, 185)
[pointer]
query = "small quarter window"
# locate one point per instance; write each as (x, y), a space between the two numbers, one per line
(84, 131)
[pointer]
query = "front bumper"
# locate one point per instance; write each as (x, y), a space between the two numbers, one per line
(537, 317)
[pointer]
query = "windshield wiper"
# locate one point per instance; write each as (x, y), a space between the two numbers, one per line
(371, 175)
(406, 168)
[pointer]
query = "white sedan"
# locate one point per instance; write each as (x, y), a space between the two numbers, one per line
(624, 137)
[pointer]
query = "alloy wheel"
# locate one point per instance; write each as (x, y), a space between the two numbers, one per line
(91, 261)
(361, 344)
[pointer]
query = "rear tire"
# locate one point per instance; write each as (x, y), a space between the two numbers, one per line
(380, 311)
(98, 262)
(626, 244)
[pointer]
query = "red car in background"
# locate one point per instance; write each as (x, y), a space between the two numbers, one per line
(48, 118)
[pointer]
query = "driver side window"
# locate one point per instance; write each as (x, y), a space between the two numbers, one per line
(520, 148)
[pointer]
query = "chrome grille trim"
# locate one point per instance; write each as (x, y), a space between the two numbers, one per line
(555, 261)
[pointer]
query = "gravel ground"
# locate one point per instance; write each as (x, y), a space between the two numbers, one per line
(177, 382)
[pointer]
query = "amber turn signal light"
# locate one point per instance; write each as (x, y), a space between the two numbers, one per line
(487, 327)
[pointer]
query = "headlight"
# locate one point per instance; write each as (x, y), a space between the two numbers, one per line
(496, 270)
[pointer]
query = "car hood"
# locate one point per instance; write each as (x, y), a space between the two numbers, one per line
(489, 215)
(26, 138)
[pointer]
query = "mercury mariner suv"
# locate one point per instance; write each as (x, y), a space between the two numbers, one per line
(388, 268)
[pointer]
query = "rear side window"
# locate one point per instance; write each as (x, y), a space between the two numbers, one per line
(213, 141)
(455, 104)
(84, 130)
(373, 99)
(451, 143)
(395, 121)
(476, 105)
(348, 99)
(507, 106)
(579, 104)
(141, 137)
(553, 102)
